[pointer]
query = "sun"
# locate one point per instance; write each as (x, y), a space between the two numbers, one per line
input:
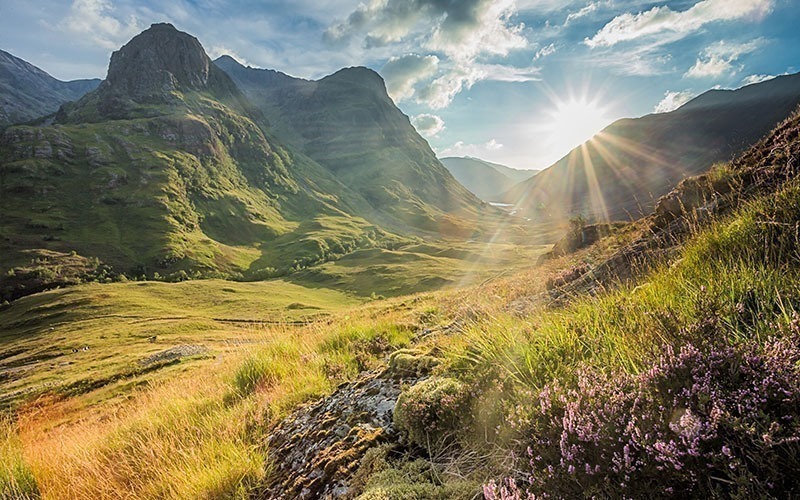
(574, 121)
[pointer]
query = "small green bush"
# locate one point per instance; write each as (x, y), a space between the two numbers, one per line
(431, 412)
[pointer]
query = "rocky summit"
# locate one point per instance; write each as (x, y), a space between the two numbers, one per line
(152, 69)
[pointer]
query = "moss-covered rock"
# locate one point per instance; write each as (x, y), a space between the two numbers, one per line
(432, 411)
(411, 363)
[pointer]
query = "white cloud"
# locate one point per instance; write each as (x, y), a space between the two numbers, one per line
(749, 80)
(461, 30)
(427, 124)
(440, 92)
(474, 150)
(719, 59)
(403, 73)
(673, 101)
(593, 6)
(94, 20)
(462, 35)
(493, 145)
(659, 20)
(545, 51)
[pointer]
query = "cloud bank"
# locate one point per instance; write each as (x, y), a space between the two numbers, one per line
(677, 24)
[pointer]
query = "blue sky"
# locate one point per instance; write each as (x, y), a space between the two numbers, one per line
(517, 82)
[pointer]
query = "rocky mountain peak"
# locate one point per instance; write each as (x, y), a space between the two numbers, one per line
(357, 76)
(158, 60)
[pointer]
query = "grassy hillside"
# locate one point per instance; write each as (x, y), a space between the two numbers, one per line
(181, 181)
(348, 124)
(680, 380)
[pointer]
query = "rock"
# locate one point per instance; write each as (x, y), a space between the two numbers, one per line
(410, 363)
(318, 448)
(173, 353)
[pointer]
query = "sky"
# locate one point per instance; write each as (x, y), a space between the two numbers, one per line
(514, 82)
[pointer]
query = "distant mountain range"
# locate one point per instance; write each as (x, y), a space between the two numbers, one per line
(27, 92)
(171, 166)
(623, 170)
(486, 179)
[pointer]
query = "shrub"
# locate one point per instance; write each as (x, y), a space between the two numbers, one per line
(431, 412)
(409, 363)
(715, 419)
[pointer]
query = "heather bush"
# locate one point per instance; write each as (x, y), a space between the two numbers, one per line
(710, 418)
(431, 412)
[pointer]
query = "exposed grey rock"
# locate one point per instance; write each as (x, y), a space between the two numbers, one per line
(317, 449)
(173, 353)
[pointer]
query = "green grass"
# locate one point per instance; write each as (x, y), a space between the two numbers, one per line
(742, 270)
(16, 478)
(419, 267)
(111, 327)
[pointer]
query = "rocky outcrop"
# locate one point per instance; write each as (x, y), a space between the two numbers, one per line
(318, 448)
(161, 60)
(152, 70)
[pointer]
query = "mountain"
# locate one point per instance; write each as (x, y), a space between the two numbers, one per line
(165, 169)
(487, 180)
(621, 171)
(27, 92)
(348, 123)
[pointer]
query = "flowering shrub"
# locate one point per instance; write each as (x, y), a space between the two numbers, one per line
(710, 419)
(431, 411)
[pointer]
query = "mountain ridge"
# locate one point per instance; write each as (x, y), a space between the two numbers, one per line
(28, 92)
(313, 116)
(621, 171)
(174, 175)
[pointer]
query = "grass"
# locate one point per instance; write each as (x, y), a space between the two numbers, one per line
(98, 334)
(16, 478)
(177, 435)
(218, 423)
(419, 267)
(185, 436)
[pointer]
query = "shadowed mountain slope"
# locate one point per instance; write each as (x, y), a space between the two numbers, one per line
(27, 92)
(347, 123)
(621, 171)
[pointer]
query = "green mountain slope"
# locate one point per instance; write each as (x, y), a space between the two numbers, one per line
(347, 123)
(487, 180)
(27, 92)
(620, 172)
(164, 169)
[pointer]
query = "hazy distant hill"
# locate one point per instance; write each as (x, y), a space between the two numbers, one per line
(621, 171)
(27, 92)
(349, 124)
(486, 179)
